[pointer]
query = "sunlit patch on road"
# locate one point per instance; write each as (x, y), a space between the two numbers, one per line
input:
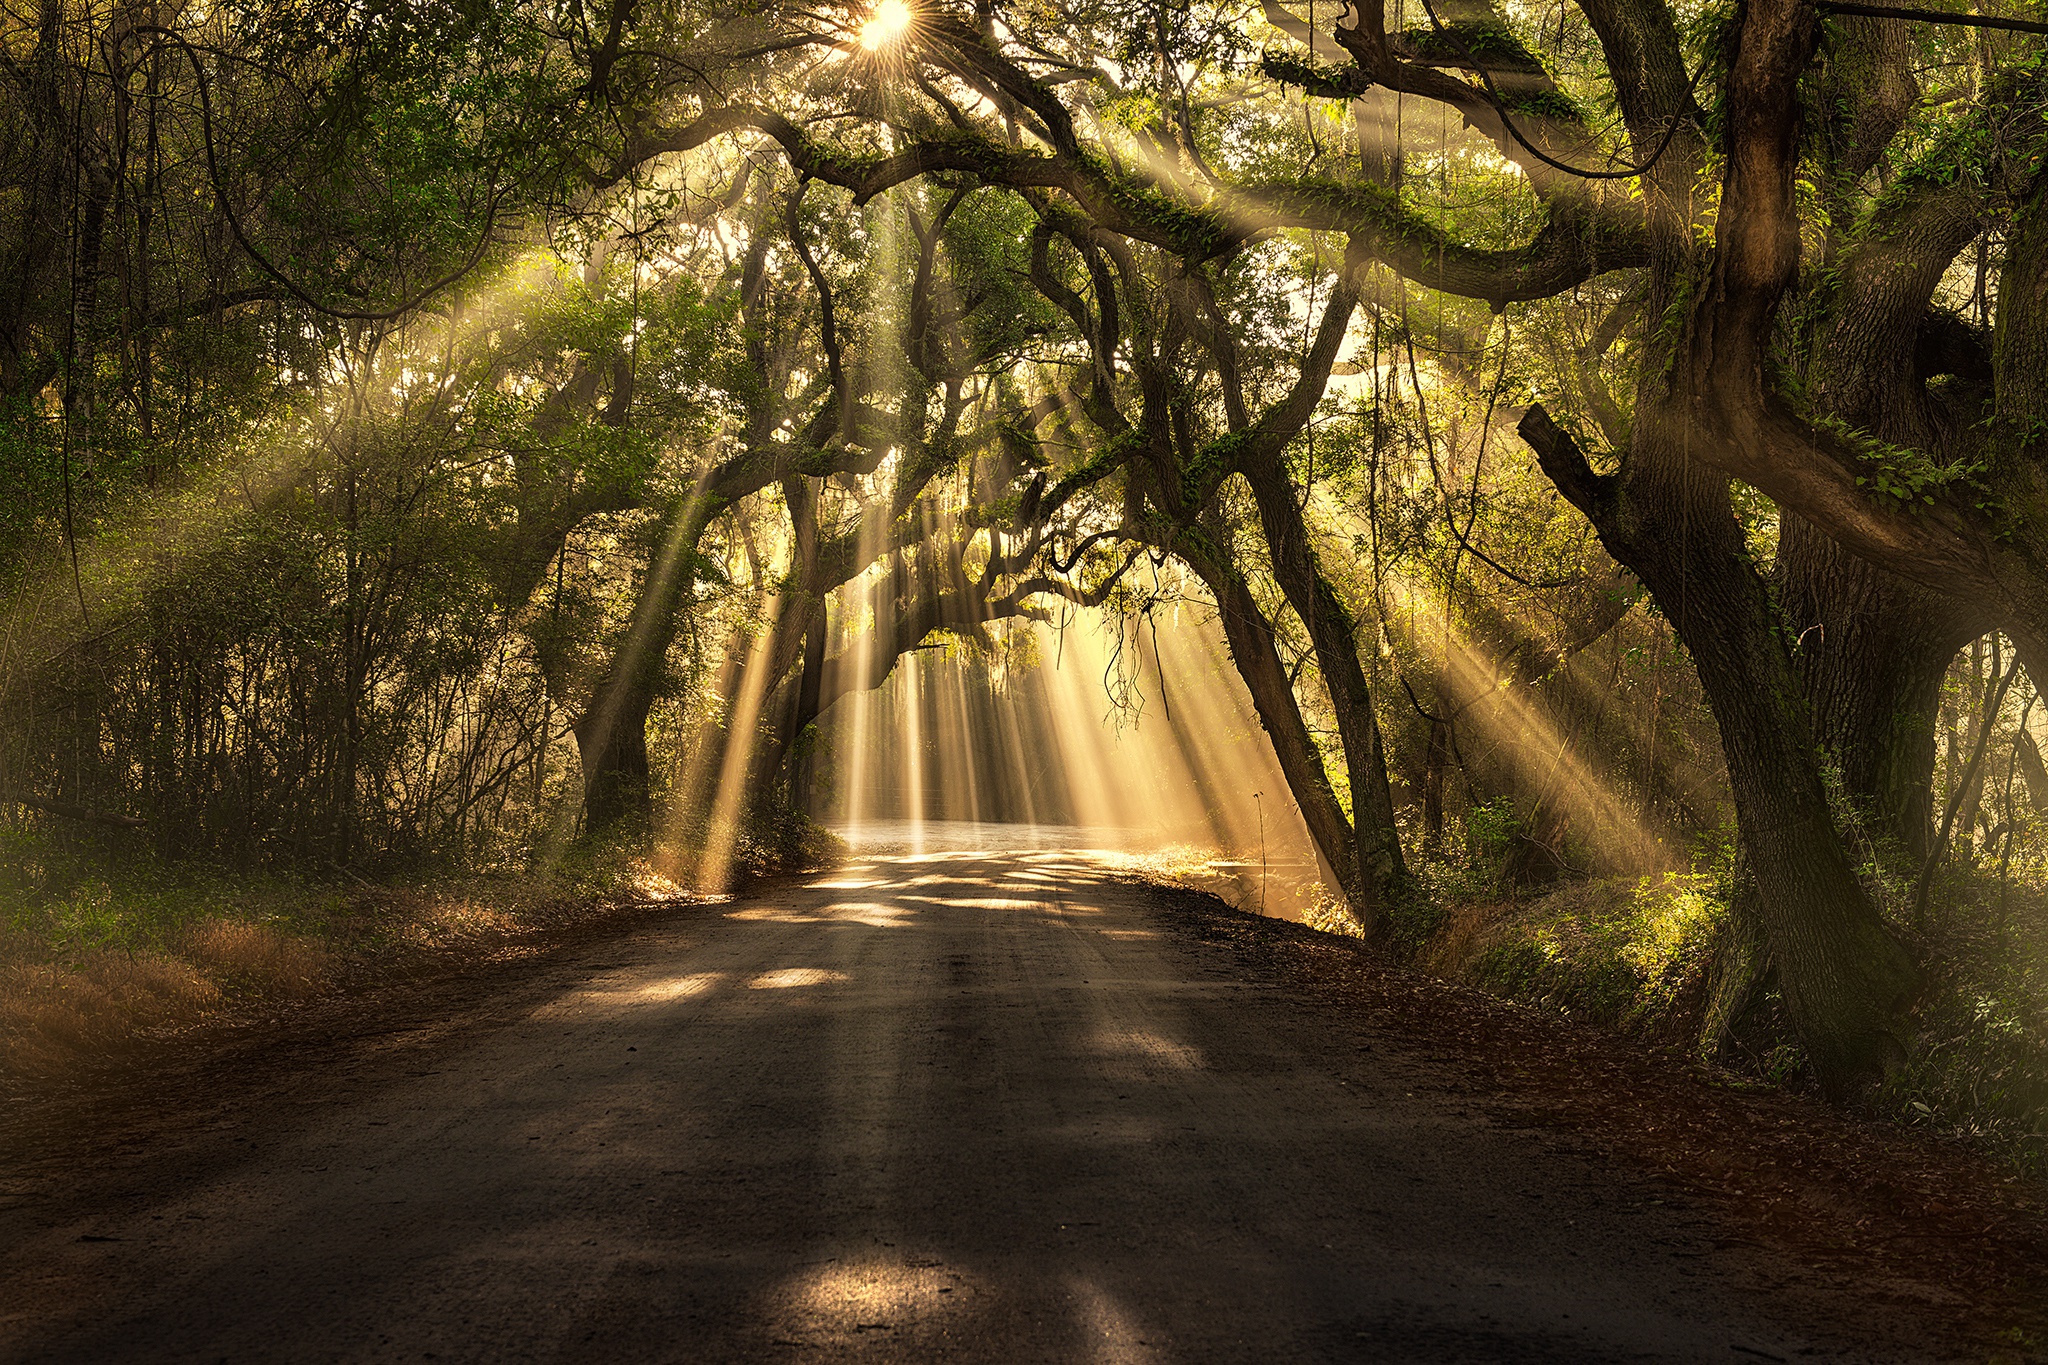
(789, 977)
(1113, 1333)
(1150, 1047)
(774, 914)
(613, 992)
(679, 987)
(873, 1301)
(874, 914)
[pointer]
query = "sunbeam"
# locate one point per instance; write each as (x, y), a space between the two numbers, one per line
(1529, 740)
(1130, 737)
(715, 867)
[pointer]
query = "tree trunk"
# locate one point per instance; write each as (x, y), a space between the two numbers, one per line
(1250, 637)
(611, 741)
(1871, 650)
(1382, 872)
(1738, 974)
(1844, 978)
(611, 734)
(794, 700)
(1436, 758)
(2035, 773)
(810, 689)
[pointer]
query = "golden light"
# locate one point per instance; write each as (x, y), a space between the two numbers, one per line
(951, 754)
(890, 21)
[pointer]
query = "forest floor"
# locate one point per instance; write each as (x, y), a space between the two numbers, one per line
(980, 1107)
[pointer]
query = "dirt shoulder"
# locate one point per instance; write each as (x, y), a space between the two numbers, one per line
(121, 1103)
(1904, 1218)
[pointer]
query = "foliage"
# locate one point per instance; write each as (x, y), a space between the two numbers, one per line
(1901, 472)
(1626, 955)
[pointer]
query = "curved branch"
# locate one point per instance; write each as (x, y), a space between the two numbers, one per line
(828, 329)
(1059, 587)
(1500, 108)
(1576, 243)
(263, 262)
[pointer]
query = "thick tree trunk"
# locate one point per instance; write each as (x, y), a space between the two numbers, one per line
(1871, 650)
(794, 699)
(799, 635)
(1845, 979)
(611, 734)
(810, 690)
(1738, 974)
(612, 744)
(1250, 637)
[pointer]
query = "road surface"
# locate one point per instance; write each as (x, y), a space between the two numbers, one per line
(981, 1107)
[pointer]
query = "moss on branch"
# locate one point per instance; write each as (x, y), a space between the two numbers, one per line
(1492, 44)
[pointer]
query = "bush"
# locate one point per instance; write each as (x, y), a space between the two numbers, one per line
(1631, 955)
(1978, 1065)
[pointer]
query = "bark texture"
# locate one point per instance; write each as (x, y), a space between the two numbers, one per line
(1871, 651)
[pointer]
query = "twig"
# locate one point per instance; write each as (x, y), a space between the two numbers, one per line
(1955, 800)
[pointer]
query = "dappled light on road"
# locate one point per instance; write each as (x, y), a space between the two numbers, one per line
(787, 977)
(874, 914)
(1112, 1333)
(681, 986)
(868, 1303)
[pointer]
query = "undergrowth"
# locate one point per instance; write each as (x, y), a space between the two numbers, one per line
(1628, 954)
(105, 953)
(1979, 1065)
(1637, 955)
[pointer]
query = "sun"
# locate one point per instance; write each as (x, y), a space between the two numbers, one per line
(889, 22)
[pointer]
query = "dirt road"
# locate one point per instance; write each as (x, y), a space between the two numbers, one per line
(995, 1107)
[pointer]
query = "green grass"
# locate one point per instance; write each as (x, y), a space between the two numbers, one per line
(1626, 954)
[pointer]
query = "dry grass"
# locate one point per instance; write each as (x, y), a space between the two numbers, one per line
(463, 924)
(52, 1017)
(103, 1002)
(257, 960)
(83, 988)
(1285, 888)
